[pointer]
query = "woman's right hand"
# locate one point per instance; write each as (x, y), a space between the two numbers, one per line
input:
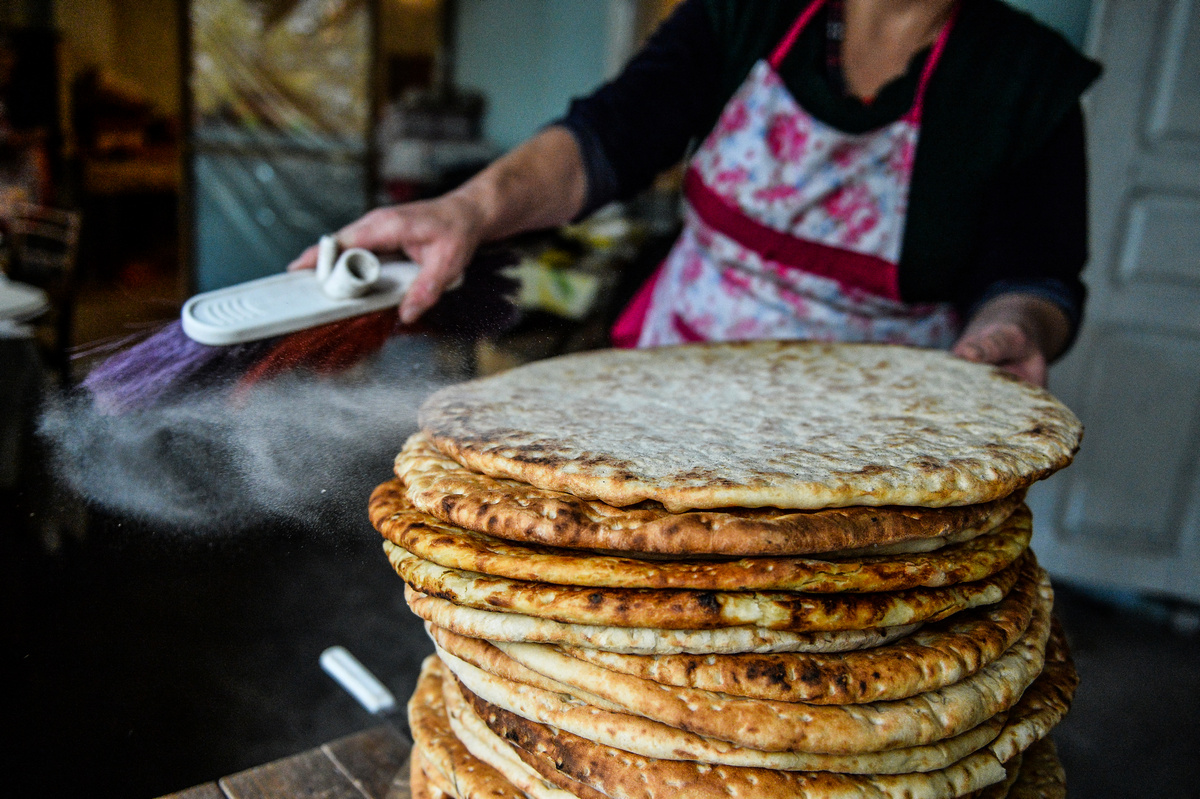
(541, 183)
(440, 235)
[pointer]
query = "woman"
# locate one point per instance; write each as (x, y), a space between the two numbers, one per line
(871, 170)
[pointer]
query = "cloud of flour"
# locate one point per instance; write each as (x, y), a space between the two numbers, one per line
(300, 449)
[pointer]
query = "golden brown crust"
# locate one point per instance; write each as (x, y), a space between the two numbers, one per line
(938, 654)
(640, 640)
(418, 781)
(1041, 775)
(449, 766)
(1000, 789)
(442, 488)
(622, 775)
(501, 755)
(453, 547)
(745, 752)
(682, 723)
(684, 426)
(1045, 703)
(698, 610)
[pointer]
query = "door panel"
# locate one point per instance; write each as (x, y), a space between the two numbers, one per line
(1127, 513)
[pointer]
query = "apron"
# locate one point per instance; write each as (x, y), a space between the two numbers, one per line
(792, 228)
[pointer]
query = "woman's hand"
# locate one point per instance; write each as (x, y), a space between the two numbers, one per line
(440, 235)
(1020, 333)
(542, 183)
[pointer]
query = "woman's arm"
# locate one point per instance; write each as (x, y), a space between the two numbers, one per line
(1024, 300)
(609, 145)
(539, 184)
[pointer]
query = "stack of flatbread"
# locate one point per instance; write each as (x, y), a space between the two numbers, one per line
(743, 570)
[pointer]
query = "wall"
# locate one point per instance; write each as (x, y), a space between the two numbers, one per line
(136, 39)
(1069, 17)
(529, 57)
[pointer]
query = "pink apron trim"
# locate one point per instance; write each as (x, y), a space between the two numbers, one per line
(627, 329)
(789, 39)
(684, 330)
(852, 270)
(914, 113)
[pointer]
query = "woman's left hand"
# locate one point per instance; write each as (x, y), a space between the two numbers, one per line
(1020, 333)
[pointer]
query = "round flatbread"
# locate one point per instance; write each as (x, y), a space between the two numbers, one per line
(597, 772)
(1041, 775)
(448, 765)
(900, 760)
(440, 486)
(418, 783)
(677, 722)
(669, 723)
(493, 750)
(935, 656)
(697, 610)
(799, 425)
(1045, 704)
(456, 548)
(1000, 790)
(562, 756)
(640, 640)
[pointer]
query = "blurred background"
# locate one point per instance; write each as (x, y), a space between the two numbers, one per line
(152, 149)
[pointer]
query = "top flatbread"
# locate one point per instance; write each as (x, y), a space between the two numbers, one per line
(761, 424)
(444, 489)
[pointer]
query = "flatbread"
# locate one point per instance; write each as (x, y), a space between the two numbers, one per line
(1041, 775)
(641, 695)
(453, 547)
(703, 781)
(558, 754)
(937, 655)
(418, 784)
(925, 757)
(640, 640)
(697, 610)
(800, 425)
(441, 487)
(1000, 790)
(448, 765)
(673, 723)
(1045, 704)
(493, 750)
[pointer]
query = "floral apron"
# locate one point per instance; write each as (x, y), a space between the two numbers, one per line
(792, 228)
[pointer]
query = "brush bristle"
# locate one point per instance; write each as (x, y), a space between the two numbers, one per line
(324, 349)
(163, 365)
(169, 365)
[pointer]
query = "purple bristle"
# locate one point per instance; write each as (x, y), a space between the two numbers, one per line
(166, 364)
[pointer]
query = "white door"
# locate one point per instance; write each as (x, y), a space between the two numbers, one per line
(1127, 513)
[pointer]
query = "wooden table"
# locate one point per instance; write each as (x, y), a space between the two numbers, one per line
(366, 765)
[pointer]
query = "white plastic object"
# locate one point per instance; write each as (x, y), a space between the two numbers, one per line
(354, 273)
(284, 303)
(327, 250)
(20, 302)
(360, 683)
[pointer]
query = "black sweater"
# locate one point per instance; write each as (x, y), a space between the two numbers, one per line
(998, 197)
